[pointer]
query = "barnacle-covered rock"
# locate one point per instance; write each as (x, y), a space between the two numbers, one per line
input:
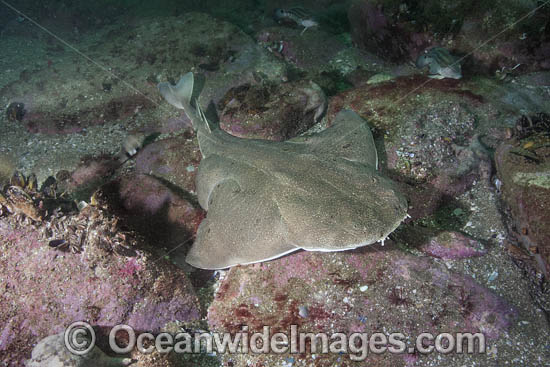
(20, 202)
(23, 198)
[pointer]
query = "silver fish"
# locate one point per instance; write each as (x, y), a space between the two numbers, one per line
(440, 62)
(297, 15)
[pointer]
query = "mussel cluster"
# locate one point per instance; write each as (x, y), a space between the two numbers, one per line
(91, 226)
(61, 223)
(22, 198)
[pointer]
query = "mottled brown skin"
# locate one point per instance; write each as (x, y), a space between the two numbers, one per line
(265, 199)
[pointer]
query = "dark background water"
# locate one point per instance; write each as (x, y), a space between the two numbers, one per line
(87, 14)
(442, 17)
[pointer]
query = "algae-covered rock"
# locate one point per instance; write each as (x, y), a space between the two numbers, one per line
(366, 291)
(429, 134)
(526, 191)
(106, 276)
(272, 112)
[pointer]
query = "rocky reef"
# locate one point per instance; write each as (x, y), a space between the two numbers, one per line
(104, 236)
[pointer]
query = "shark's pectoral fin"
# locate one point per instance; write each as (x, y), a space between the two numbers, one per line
(240, 228)
(339, 205)
(349, 137)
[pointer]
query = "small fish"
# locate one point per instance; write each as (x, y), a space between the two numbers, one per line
(441, 63)
(133, 143)
(506, 74)
(297, 15)
(130, 146)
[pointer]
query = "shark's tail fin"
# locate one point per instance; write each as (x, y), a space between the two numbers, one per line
(180, 96)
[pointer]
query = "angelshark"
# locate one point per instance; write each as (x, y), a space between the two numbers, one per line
(265, 199)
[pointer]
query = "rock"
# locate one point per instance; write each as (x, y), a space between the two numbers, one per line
(449, 245)
(373, 31)
(52, 352)
(400, 31)
(175, 160)
(405, 293)
(429, 133)
(174, 124)
(526, 191)
(166, 216)
(91, 173)
(526, 95)
(54, 122)
(312, 51)
(112, 278)
(277, 112)
(523, 46)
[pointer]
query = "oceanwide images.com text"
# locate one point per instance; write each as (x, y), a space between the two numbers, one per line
(357, 345)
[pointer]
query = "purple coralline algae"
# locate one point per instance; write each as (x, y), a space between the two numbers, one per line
(372, 289)
(45, 289)
(449, 245)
